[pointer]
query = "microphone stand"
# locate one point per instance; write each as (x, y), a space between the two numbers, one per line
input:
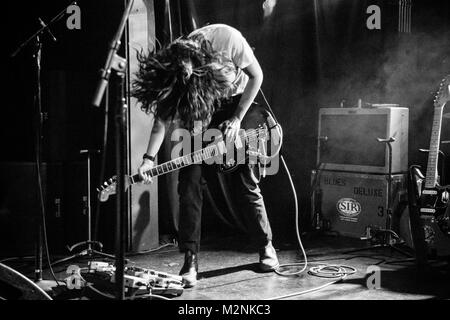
(118, 64)
(387, 241)
(46, 285)
(44, 27)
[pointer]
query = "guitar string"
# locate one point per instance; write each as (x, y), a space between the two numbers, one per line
(253, 133)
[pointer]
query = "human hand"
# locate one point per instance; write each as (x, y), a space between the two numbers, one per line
(231, 128)
(143, 169)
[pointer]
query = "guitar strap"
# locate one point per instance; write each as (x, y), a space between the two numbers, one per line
(224, 110)
(417, 231)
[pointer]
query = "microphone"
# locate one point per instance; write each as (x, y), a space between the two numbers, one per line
(42, 23)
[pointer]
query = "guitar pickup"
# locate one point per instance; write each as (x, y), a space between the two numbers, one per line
(431, 192)
(253, 153)
(238, 142)
(427, 210)
(221, 147)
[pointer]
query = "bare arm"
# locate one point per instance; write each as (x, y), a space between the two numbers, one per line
(154, 143)
(255, 74)
(156, 137)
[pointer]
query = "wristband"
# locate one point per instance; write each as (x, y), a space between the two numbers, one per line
(146, 156)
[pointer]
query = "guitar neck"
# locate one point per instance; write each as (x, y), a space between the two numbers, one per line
(178, 163)
(433, 155)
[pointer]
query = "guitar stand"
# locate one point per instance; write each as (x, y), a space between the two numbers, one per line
(388, 232)
(89, 251)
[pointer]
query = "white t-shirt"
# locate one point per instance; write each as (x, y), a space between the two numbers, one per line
(231, 44)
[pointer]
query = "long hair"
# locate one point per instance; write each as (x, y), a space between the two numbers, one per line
(187, 77)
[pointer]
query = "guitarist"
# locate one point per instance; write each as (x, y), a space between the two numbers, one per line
(190, 80)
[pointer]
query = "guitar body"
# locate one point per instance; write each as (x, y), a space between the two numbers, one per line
(260, 140)
(428, 200)
(430, 203)
(425, 204)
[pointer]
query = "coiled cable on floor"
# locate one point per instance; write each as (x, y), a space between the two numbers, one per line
(336, 272)
(332, 271)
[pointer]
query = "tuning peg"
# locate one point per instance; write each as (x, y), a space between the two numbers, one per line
(110, 180)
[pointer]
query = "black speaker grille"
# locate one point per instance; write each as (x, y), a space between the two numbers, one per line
(352, 139)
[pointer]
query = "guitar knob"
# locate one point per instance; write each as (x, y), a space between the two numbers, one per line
(445, 197)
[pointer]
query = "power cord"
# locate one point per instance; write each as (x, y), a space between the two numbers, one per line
(43, 219)
(170, 244)
(102, 161)
(15, 258)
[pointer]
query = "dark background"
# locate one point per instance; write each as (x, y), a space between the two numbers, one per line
(313, 53)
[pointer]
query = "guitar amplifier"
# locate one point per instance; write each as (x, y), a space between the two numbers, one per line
(347, 203)
(347, 139)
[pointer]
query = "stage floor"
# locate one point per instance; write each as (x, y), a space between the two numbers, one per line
(228, 272)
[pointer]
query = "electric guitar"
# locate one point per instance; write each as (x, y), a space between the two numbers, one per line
(432, 199)
(259, 141)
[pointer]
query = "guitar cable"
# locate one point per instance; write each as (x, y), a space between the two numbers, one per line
(336, 272)
(328, 271)
(294, 193)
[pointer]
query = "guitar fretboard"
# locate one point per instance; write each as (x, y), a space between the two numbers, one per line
(432, 173)
(213, 150)
(180, 162)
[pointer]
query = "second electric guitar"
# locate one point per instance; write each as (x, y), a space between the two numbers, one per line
(433, 199)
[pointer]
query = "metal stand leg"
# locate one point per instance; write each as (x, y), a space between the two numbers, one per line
(89, 251)
(387, 232)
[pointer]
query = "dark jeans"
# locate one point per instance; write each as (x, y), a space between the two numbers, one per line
(190, 189)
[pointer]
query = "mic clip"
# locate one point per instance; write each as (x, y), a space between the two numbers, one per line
(45, 27)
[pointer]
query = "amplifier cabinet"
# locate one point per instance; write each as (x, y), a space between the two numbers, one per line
(347, 139)
(349, 202)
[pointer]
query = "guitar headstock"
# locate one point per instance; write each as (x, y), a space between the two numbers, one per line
(107, 188)
(443, 94)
